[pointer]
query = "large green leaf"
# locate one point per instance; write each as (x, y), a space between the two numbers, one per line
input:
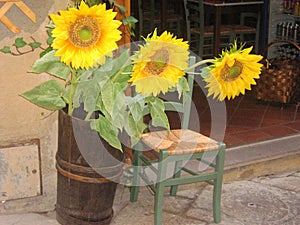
(136, 106)
(157, 112)
(119, 107)
(107, 96)
(52, 65)
(107, 131)
(87, 92)
(47, 95)
(134, 128)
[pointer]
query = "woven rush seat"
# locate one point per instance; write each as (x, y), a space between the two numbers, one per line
(180, 141)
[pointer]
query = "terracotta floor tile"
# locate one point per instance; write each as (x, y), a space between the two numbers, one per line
(251, 113)
(235, 129)
(249, 120)
(253, 136)
(271, 122)
(245, 122)
(231, 140)
(278, 131)
(294, 125)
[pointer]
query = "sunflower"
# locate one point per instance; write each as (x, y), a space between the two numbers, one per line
(83, 37)
(159, 64)
(233, 73)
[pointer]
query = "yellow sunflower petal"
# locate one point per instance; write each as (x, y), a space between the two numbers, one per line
(233, 73)
(159, 64)
(84, 36)
(152, 85)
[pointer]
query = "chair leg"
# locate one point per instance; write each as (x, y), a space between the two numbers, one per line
(177, 172)
(159, 190)
(134, 189)
(218, 185)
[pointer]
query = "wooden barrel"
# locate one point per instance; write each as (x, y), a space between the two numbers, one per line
(88, 170)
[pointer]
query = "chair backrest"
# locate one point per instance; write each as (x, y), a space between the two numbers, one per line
(182, 105)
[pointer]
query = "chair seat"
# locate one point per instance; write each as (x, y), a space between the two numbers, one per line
(179, 141)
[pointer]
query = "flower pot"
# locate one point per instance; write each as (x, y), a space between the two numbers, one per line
(88, 170)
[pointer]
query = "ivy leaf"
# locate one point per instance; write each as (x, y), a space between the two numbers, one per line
(49, 49)
(35, 45)
(19, 43)
(129, 20)
(52, 65)
(50, 40)
(47, 95)
(122, 8)
(107, 131)
(5, 49)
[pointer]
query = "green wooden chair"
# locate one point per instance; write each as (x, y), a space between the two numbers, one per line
(176, 148)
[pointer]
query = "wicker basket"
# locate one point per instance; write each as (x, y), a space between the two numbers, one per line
(280, 78)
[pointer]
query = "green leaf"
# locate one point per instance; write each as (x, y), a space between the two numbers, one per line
(136, 106)
(129, 20)
(205, 72)
(157, 112)
(52, 65)
(107, 96)
(49, 49)
(35, 45)
(87, 92)
(107, 131)
(119, 106)
(5, 49)
(19, 43)
(121, 64)
(182, 88)
(134, 128)
(50, 40)
(122, 8)
(47, 95)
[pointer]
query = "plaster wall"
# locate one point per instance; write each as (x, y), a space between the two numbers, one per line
(28, 134)
(21, 121)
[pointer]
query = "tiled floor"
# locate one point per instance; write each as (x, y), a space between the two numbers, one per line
(251, 121)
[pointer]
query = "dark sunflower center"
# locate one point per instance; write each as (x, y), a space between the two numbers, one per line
(232, 73)
(159, 61)
(84, 32)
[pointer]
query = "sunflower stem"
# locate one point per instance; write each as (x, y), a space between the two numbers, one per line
(72, 91)
(202, 62)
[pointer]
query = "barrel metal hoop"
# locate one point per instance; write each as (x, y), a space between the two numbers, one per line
(84, 169)
(86, 179)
